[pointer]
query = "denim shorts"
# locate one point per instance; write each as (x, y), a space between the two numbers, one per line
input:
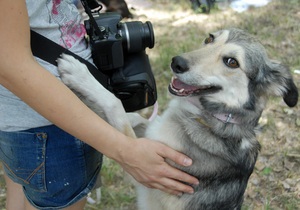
(55, 169)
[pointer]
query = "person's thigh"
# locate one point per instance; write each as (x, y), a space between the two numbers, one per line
(14, 195)
(55, 169)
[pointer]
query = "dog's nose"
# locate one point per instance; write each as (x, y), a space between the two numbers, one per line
(179, 64)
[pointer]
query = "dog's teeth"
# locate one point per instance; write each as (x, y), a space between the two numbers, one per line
(181, 90)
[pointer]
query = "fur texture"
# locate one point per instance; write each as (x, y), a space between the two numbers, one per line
(230, 75)
(220, 91)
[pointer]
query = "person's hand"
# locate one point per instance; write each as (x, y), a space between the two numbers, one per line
(145, 161)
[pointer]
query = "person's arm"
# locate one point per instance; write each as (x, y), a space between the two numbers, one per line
(21, 74)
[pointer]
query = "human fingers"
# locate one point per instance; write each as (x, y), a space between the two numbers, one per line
(164, 189)
(174, 187)
(156, 173)
(176, 180)
(164, 183)
(181, 159)
(175, 156)
(169, 179)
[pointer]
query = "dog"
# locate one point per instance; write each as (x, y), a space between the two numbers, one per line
(220, 92)
(119, 6)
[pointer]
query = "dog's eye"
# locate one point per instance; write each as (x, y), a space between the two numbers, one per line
(231, 62)
(209, 39)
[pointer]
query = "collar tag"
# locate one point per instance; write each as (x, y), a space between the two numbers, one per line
(226, 118)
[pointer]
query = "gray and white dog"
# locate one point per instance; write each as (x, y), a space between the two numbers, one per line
(220, 91)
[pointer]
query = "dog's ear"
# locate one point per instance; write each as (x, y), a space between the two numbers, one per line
(291, 96)
(277, 80)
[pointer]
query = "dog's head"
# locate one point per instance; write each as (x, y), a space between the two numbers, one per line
(231, 68)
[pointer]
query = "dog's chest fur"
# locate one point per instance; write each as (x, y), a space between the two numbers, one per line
(220, 163)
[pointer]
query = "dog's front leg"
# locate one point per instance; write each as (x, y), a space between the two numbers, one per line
(138, 123)
(77, 77)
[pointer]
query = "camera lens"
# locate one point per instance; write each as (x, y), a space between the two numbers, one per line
(137, 36)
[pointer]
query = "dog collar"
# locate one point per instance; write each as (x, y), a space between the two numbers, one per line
(201, 121)
(226, 118)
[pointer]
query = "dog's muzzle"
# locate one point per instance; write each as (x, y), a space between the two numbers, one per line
(179, 65)
(179, 88)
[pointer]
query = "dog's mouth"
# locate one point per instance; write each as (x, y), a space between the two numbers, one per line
(179, 88)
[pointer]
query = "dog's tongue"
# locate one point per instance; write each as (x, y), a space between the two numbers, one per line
(179, 85)
(179, 88)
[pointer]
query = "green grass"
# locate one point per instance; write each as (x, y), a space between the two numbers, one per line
(117, 187)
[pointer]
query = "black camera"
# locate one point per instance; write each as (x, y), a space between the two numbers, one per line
(111, 40)
(118, 51)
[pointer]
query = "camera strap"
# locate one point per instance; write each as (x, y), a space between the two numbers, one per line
(87, 5)
(49, 51)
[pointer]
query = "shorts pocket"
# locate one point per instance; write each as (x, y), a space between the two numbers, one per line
(23, 157)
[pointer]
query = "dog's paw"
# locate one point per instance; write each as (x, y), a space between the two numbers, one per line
(72, 71)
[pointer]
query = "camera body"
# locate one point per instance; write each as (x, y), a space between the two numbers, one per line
(118, 50)
(114, 39)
